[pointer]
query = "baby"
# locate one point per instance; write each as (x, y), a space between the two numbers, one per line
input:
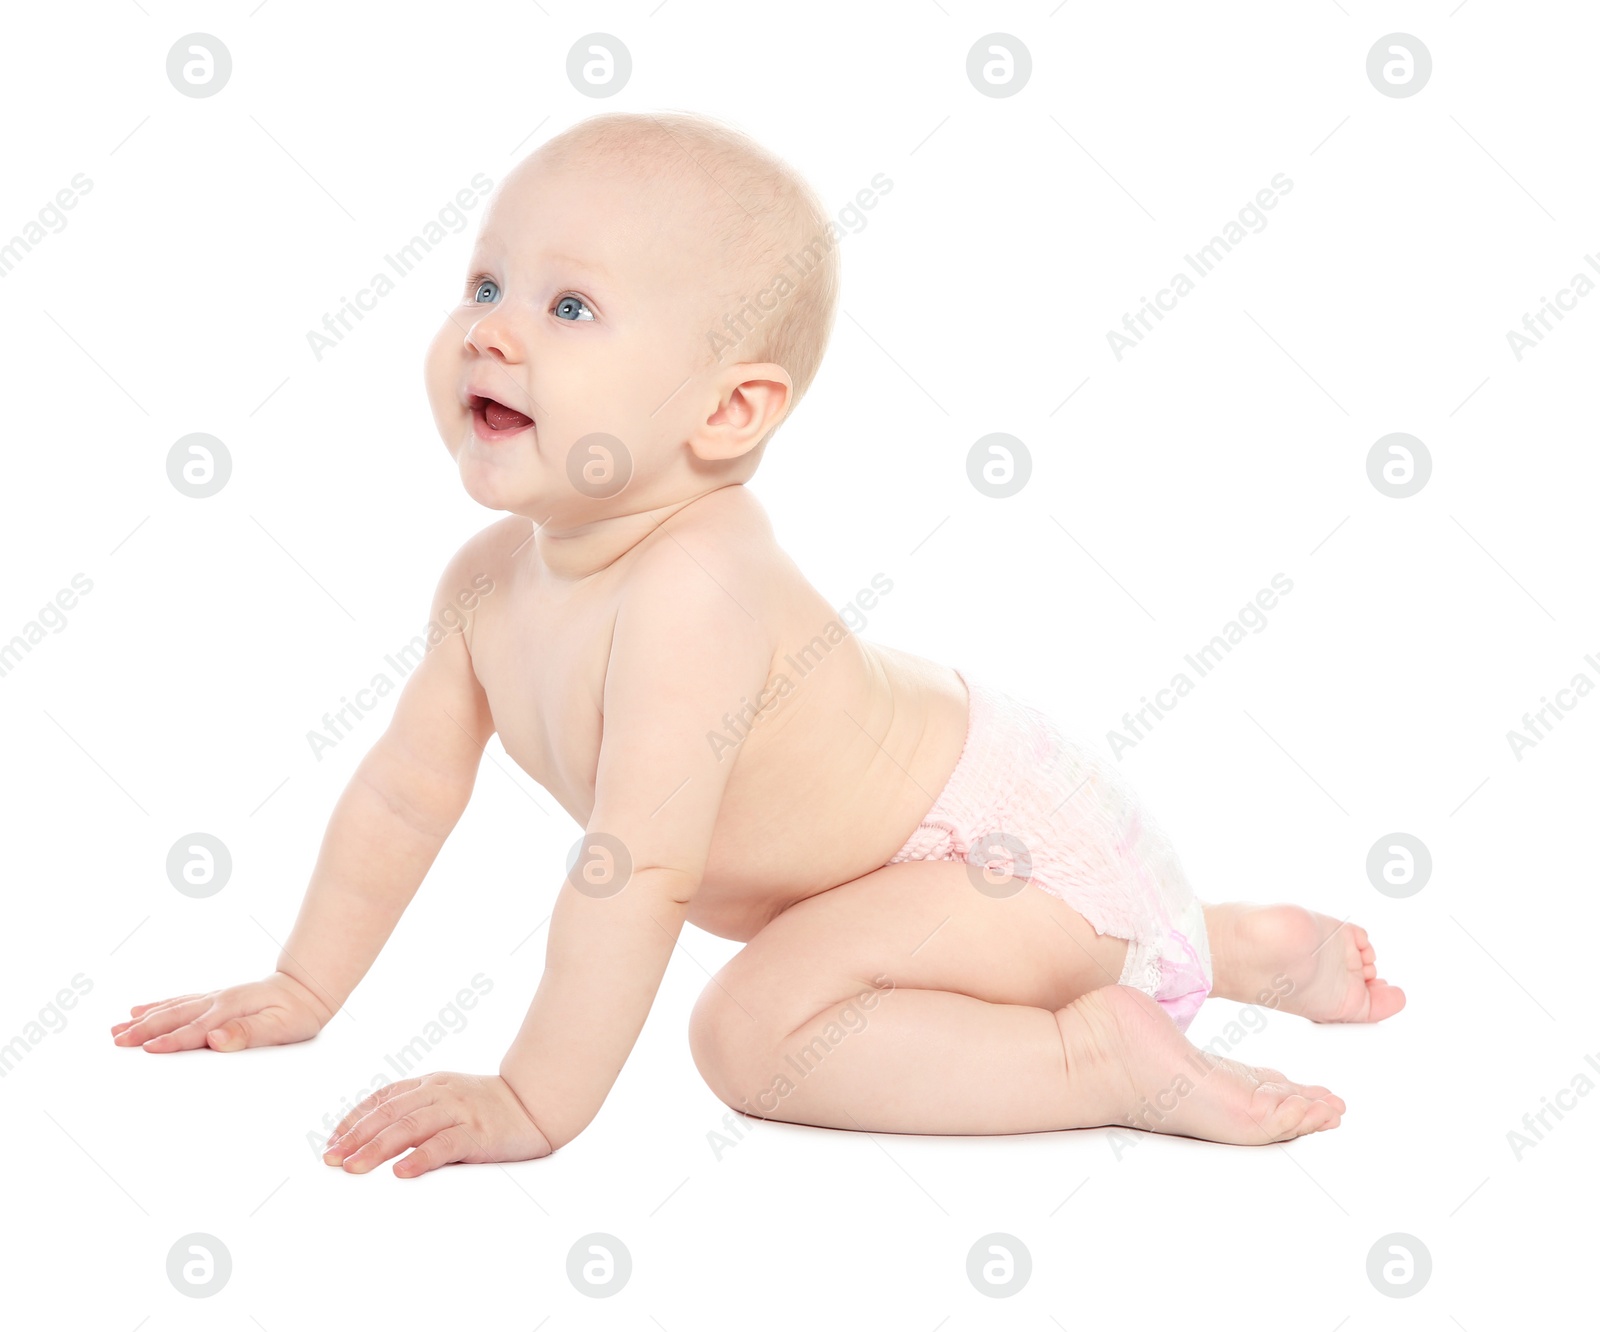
(956, 920)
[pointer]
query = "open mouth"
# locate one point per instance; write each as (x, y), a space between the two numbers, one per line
(494, 420)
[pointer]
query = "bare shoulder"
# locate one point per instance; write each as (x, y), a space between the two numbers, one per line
(727, 526)
(472, 574)
(718, 552)
(489, 550)
(696, 609)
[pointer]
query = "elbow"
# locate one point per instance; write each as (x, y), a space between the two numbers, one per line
(677, 886)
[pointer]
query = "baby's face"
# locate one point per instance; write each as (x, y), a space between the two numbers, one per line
(580, 316)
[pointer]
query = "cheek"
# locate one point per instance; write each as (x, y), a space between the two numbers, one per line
(439, 374)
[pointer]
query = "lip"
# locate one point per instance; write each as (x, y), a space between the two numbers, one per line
(476, 402)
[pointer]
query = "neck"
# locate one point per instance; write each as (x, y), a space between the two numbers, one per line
(576, 552)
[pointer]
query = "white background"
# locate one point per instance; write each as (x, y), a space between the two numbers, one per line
(1229, 447)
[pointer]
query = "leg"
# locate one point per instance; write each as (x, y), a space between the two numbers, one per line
(909, 1002)
(1311, 964)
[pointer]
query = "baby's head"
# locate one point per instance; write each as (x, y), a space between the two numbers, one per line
(654, 294)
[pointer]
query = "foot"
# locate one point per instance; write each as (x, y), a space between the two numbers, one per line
(1293, 959)
(1129, 1066)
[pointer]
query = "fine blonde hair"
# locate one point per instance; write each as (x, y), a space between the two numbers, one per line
(779, 289)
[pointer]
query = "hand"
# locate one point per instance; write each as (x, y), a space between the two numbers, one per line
(446, 1116)
(276, 1011)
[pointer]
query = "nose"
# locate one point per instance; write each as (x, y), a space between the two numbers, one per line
(494, 335)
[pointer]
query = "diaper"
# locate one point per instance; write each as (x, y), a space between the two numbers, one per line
(1026, 800)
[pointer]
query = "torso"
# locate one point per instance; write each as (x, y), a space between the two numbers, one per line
(828, 781)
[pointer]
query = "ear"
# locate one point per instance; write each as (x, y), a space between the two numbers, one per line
(750, 401)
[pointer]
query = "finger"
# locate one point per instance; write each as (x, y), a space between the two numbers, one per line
(451, 1145)
(407, 1131)
(139, 1010)
(148, 1011)
(162, 1020)
(242, 1033)
(190, 1036)
(368, 1104)
(365, 1129)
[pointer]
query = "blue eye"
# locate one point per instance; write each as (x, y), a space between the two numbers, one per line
(568, 307)
(486, 290)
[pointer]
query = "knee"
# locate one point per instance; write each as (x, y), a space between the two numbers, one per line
(724, 1040)
(738, 1034)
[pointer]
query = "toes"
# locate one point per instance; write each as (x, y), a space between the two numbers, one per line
(1320, 1118)
(1385, 1000)
(1318, 1093)
(1286, 1118)
(1296, 1116)
(1283, 1109)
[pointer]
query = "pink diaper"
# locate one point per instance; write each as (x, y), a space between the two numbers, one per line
(1026, 800)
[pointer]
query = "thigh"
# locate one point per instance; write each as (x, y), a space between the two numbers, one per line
(923, 925)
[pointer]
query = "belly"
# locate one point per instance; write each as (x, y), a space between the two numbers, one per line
(826, 786)
(830, 784)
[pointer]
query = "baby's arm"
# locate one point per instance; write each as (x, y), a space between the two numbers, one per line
(683, 653)
(403, 800)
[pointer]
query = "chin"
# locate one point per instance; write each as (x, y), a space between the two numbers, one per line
(493, 489)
